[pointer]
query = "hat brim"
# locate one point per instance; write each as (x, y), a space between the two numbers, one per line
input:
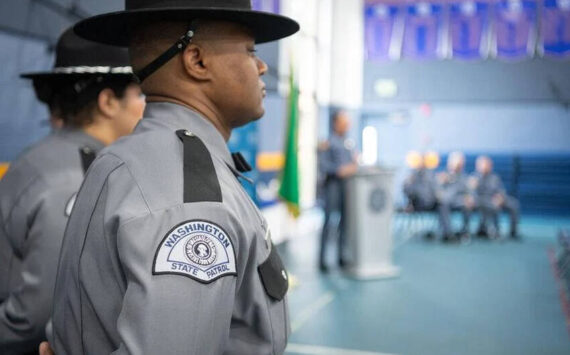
(42, 75)
(114, 28)
(49, 75)
(56, 76)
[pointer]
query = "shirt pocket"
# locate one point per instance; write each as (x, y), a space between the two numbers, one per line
(274, 276)
(275, 282)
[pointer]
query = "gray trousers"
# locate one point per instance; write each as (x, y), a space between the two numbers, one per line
(445, 208)
(334, 202)
(490, 213)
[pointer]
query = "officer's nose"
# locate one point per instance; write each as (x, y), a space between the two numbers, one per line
(262, 66)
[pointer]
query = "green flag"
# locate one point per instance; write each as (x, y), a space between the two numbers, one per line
(289, 190)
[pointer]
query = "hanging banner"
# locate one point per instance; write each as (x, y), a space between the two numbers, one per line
(555, 27)
(468, 26)
(266, 5)
(422, 33)
(515, 22)
(379, 22)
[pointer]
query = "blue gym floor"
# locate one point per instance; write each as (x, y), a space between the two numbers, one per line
(483, 298)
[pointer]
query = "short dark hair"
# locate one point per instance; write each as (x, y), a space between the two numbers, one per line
(46, 91)
(77, 98)
(335, 113)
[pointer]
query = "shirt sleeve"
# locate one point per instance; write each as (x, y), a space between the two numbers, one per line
(41, 220)
(463, 187)
(328, 164)
(166, 307)
(499, 187)
(332, 159)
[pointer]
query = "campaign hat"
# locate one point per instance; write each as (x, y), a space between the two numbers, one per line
(76, 57)
(116, 28)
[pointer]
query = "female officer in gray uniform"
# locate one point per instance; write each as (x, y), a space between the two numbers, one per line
(92, 89)
(165, 253)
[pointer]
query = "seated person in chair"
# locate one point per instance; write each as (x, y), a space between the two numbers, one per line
(419, 186)
(453, 194)
(491, 199)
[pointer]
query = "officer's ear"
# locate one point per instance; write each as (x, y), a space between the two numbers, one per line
(194, 59)
(108, 103)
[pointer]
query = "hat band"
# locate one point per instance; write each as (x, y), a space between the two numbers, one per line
(184, 4)
(93, 70)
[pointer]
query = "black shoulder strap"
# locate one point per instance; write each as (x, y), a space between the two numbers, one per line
(200, 179)
(87, 157)
(241, 164)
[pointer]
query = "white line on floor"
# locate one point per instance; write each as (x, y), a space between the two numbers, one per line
(323, 350)
(311, 310)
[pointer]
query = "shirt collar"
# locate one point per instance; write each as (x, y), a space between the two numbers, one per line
(175, 117)
(80, 138)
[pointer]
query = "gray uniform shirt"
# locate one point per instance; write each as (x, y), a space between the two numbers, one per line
(338, 154)
(488, 186)
(455, 189)
(130, 279)
(34, 196)
(420, 186)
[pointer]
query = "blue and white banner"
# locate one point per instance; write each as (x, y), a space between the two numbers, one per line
(379, 20)
(266, 5)
(468, 24)
(422, 33)
(466, 29)
(515, 32)
(555, 27)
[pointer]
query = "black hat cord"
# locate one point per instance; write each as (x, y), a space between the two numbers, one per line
(176, 48)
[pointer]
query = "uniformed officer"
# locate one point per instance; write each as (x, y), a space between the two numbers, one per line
(338, 163)
(165, 253)
(491, 199)
(92, 89)
(454, 194)
(420, 185)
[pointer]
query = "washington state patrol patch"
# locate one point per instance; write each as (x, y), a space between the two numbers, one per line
(198, 249)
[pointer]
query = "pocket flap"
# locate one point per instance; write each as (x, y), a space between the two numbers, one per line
(274, 276)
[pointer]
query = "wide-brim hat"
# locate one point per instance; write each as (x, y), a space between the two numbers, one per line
(116, 28)
(76, 58)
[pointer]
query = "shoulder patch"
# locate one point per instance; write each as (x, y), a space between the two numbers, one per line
(197, 249)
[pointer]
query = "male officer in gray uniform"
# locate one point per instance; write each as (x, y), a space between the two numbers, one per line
(165, 253)
(454, 194)
(338, 163)
(38, 191)
(492, 198)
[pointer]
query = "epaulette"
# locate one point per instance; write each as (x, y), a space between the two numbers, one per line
(200, 180)
(87, 157)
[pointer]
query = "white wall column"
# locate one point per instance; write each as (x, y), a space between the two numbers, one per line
(347, 60)
(302, 49)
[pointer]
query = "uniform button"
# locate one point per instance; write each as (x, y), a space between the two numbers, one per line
(188, 134)
(86, 150)
(284, 274)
